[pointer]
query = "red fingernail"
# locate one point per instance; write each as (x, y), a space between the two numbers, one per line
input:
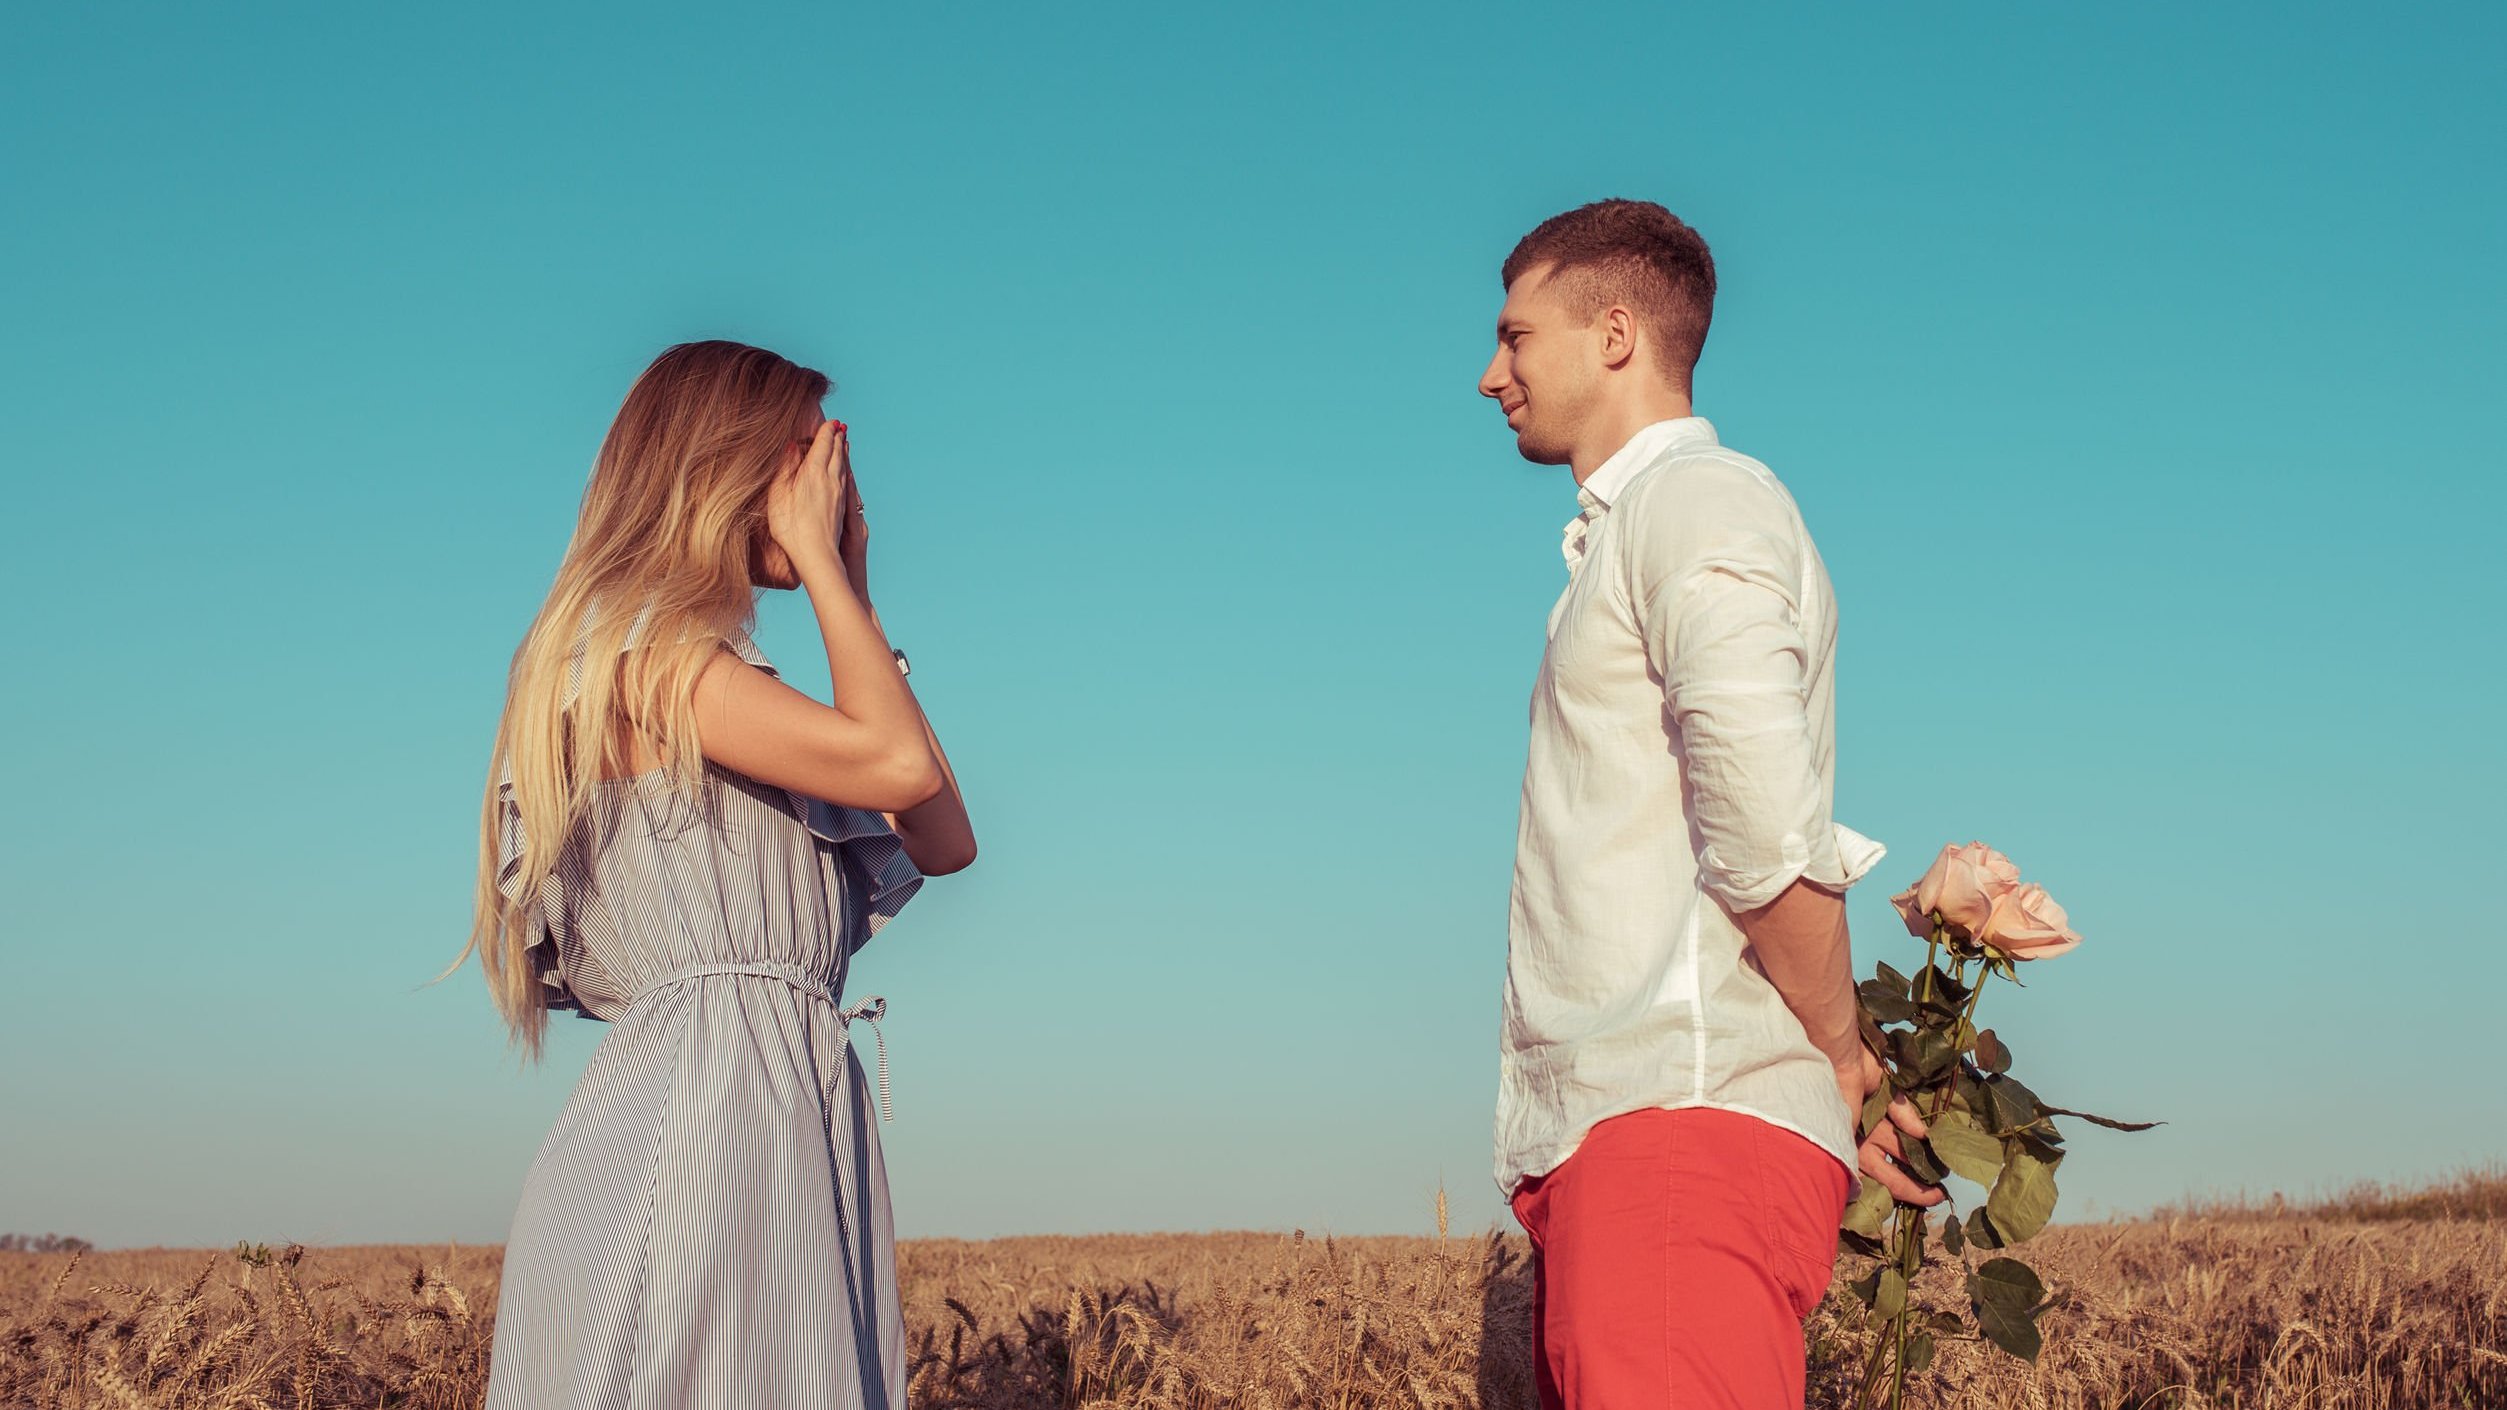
(840, 426)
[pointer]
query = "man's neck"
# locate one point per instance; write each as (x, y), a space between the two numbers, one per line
(1613, 430)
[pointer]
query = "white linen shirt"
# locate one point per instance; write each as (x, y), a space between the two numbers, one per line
(1680, 770)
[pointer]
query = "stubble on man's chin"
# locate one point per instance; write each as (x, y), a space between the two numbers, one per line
(1540, 452)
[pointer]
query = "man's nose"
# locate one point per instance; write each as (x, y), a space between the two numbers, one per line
(1493, 380)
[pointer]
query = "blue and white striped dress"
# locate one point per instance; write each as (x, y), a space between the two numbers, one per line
(707, 1225)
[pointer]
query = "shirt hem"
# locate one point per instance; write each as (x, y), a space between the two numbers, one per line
(1534, 1170)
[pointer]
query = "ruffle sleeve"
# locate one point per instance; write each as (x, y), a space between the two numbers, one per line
(876, 869)
(541, 952)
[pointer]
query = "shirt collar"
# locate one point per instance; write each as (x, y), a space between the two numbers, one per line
(1602, 488)
(1611, 478)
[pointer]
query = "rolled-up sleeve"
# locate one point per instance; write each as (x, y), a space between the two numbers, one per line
(1715, 579)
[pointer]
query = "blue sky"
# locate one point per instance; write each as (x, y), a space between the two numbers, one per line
(2127, 366)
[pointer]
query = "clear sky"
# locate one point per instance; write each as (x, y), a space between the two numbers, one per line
(2128, 364)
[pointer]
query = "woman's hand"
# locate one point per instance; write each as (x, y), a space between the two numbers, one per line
(853, 528)
(805, 508)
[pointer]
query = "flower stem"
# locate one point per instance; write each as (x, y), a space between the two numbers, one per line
(1871, 1371)
(1906, 1254)
(1909, 1256)
(1967, 1020)
(1891, 1340)
(1932, 952)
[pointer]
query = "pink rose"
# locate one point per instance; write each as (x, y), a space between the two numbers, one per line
(2026, 924)
(1963, 885)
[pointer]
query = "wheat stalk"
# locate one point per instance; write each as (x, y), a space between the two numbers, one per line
(2301, 1311)
(109, 1378)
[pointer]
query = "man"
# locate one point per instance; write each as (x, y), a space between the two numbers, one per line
(1681, 1068)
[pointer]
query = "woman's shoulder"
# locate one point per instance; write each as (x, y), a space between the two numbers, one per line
(738, 642)
(642, 633)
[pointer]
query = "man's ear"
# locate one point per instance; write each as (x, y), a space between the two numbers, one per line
(1619, 336)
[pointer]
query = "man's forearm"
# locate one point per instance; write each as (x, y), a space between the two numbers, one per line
(1802, 947)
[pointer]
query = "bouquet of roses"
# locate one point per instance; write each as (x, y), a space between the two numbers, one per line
(1978, 921)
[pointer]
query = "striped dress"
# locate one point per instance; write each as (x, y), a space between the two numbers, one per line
(707, 1225)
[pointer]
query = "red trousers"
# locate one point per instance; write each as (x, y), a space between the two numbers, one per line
(1679, 1253)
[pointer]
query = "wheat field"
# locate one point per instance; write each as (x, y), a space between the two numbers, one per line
(2379, 1300)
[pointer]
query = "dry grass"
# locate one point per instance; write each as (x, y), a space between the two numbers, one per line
(191, 1328)
(1250, 1320)
(2474, 1194)
(2347, 1306)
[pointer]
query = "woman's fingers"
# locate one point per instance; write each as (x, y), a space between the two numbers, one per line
(1903, 1115)
(805, 507)
(826, 462)
(852, 528)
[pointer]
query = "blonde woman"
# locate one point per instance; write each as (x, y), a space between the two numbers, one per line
(678, 843)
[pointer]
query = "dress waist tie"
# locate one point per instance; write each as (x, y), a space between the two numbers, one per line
(870, 1010)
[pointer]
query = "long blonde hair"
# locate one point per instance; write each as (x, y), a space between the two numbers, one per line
(668, 547)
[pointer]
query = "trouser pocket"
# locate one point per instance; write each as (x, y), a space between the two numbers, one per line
(1804, 1194)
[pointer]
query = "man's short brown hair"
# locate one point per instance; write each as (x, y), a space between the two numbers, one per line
(1635, 254)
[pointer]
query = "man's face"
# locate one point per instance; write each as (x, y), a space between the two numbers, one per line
(1546, 375)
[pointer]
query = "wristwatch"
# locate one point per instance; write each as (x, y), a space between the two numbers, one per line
(904, 667)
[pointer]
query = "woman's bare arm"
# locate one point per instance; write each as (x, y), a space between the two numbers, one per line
(870, 748)
(936, 833)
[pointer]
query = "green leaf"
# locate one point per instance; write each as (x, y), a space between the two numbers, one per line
(2005, 1293)
(1967, 1093)
(1951, 1237)
(2107, 1121)
(1875, 1108)
(1891, 1298)
(1922, 1055)
(1917, 1159)
(1980, 1231)
(1937, 1053)
(1853, 1245)
(2006, 1281)
(2023, 1198)
(1898, 983)
(1883, 1005)
(1991, 1054)
(1866, 1289)
(1966, 1147)
(2043, 1141)
(1869, 1210)
(2008, 1105)
(2018, 1091)
(1918, 1350)
(1990, 1111)
(1946, 989)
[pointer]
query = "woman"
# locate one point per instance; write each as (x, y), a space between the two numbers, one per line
(677, 842)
